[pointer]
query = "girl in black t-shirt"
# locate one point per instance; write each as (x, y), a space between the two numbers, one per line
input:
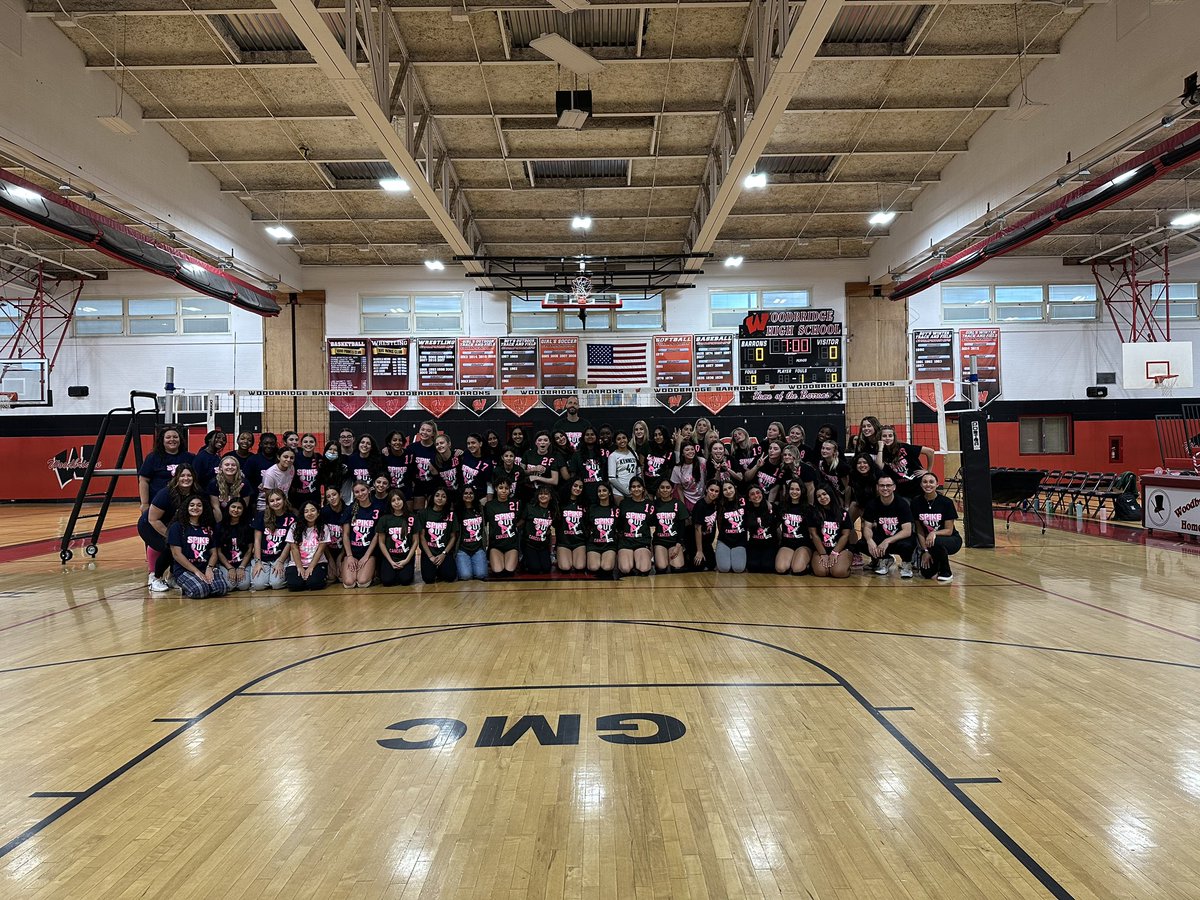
(332, 471)
(761, 540)
(830, 533)
(704, 527)
(934, 516)
(395, 461)
(156, 519)
(235, 545)
(670, 525)
(589, 464)
(359, 540)
(307, 465)
(602, 532)
(438, 537)
(570, 529)
(795, 543)
(731, 530)
(366, 462)
(539, 531)
(502, 518)
(448, 466)
(906, 462)
(635, 530)
(334, 515)
(194, 552)
(832, 471)
(271, 545)
(658, 459)
(421, 474)
(397, 544)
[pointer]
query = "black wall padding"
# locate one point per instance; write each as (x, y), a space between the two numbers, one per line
(139, 252)
(978, 525)
(203, 280)
(48, 215)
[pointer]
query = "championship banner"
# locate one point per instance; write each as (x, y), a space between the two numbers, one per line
(347, 365)
(477, 364)
(933, 360)
(436, 369)
(389, 365)
(672, 360)
(673, 400)
(437, 405)
(983, 343)
(478, 403)
(518, 363)
(348, 406)
(389, 406)
(714, 401)
(519, 404)
(560, 361)
(713, 358)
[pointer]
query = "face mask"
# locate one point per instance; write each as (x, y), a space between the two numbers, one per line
(332, 455)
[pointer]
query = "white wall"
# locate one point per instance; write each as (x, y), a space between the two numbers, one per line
(686, 311)
(1051, 361)
(48, 107)
(1120, 63)
(111, 367)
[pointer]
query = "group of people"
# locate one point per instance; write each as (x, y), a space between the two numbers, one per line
(570, 498)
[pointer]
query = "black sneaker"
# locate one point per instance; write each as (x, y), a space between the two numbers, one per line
(945, 576)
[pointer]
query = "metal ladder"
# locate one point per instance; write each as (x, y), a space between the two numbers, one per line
(133, 432)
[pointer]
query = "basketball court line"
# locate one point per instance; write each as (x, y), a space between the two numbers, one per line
(1096, 606)
(1016, 645)
(951, 785)
(537, 687)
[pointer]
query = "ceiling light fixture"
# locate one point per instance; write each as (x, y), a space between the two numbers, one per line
(566, 54)
(434, 265)
(755, 181)
(280, 233)
(883, 217)
(1186, 220)
(732, 262)
(581, 223)
(394, 185)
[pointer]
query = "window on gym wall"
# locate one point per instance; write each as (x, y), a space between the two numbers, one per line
(635, 314)
(1183, 299)
(411, 314)
(9, 317)
(727, 309)
(966, 304)
(150, 317)
(1045, 434)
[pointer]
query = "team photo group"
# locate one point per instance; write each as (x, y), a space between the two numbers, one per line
(276, 512)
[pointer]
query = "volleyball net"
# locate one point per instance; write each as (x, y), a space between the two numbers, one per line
(915, 408)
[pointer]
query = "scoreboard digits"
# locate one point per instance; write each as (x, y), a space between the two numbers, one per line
(785, 361)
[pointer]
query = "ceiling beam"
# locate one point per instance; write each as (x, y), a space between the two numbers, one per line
(929, 150)
(891, 181)
(444, 204)
(191, 118)
(799, 36)
(289, 60)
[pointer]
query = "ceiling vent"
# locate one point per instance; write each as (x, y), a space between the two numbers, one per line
(358, 175)
(562, 173)
(592, 28)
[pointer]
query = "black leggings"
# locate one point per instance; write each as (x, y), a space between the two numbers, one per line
(317, 581)
(403, 576)
(155, 541)
(447, 571)
(940, 552)
(760, 557)
(537, 558)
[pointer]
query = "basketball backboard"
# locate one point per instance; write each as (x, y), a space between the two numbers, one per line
(27, 379)
(1157, 364)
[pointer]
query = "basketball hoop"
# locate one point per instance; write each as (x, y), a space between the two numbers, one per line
(1165, 383)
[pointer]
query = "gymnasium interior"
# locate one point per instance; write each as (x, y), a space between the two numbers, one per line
(976, 222)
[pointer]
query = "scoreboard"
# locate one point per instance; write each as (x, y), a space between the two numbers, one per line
(792, 347)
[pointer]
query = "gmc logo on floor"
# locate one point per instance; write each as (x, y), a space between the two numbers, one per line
(625, 728)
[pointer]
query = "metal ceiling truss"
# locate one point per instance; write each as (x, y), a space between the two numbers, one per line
(532, 277)
(1135, 290)
(40, 310)
(393, 109)
(782, 41)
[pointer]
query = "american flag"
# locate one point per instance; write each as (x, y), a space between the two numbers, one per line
(616, 364)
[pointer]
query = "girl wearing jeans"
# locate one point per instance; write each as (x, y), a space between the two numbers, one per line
(471, 557)
(731, 530)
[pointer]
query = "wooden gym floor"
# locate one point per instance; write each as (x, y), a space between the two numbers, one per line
(1028, 731)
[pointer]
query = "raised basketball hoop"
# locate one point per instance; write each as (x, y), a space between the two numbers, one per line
(1165, 383)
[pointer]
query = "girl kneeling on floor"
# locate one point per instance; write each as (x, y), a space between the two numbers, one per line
(935, 515)
(194, 552)
(830, 532)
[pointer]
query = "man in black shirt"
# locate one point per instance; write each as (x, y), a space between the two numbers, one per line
(571, 424)
(887, 529)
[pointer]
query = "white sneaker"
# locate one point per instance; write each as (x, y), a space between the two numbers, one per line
(150, 579)
(946, 577)
(906, 570)
(159, 586)
(883, 566)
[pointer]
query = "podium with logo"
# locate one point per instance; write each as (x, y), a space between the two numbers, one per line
(1171, 503)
